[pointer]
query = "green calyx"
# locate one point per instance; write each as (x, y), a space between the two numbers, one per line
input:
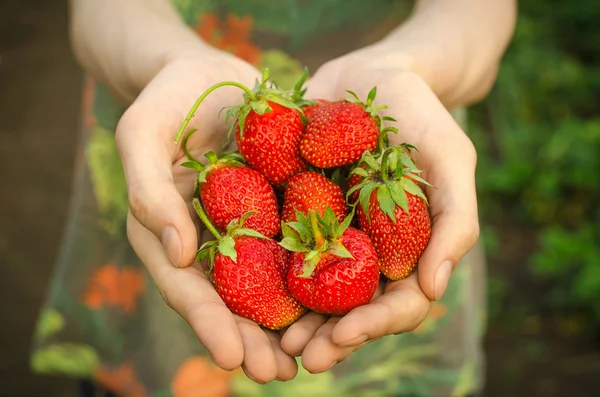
(299, 91)
(374, 112)
(256, 99)
(223, 244)
(315, 235)
(393, 174)
(232, 158)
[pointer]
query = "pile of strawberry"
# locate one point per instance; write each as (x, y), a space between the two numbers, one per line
(282, 206)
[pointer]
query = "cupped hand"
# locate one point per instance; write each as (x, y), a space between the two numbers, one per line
(161, 225)
(448, 159)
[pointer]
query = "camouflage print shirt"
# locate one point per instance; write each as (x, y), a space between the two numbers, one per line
(103, 318)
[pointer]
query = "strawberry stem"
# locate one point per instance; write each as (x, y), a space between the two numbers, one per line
(185, 148)
(202, 215)
(192, 111)
(319, 239)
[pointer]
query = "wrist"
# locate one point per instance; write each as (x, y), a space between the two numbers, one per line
(125, 55)
(456, 45)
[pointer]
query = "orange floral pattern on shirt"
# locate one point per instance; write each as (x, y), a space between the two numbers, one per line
(113, 286)
(198, 377)
(233, 35)
(121, 380)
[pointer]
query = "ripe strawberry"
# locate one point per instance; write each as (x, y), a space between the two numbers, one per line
(268, 128)
(393, 209)
(333, 267)
(340, 132)
(309, 110)
(270, 142)
(229, 189)
(249, 274)
(312, 191)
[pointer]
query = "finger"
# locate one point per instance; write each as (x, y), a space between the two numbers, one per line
(260, 363)
(190, 293)
(296, 337)
(287, 368)
(448, 159)
(153, 197)
(321, 354)
(401, 308)
(454, 233)
(454, 213)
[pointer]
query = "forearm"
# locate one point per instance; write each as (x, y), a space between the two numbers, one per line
(125, 43)
(456, 45)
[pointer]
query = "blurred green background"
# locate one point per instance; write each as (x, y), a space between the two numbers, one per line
(538, 138)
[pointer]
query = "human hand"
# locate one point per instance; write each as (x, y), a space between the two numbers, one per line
(447, 158)
(162, 227)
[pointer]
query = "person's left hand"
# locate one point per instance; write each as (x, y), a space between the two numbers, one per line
(447, 158)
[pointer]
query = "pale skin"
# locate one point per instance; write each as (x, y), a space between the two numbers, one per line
(445, 55)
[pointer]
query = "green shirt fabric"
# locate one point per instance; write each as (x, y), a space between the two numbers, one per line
(103, 318)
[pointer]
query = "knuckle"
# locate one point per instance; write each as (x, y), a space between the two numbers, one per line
(474, 232)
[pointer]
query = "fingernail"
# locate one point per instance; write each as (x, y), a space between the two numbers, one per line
(441, 279)
(172, 243)
(354, 342)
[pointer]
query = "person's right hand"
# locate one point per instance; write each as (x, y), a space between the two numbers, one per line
(161, 225)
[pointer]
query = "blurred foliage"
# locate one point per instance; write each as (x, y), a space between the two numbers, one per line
(538, 135)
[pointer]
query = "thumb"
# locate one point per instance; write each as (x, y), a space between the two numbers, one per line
(154, 200)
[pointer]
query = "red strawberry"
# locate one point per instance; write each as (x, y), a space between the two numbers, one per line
(229, 189)
(249, 274)
(333, 267)
(309, 110)
(393, 210)
(267, 126)
(340, 132)
(312, 191)
(270, 142)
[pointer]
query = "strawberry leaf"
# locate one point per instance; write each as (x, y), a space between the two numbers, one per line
(365, 197)
(302, 219)
(386, 203)
(292, 244)
(227, 247)
(360, 171)
(371, 96)
(412, 188)
(287, 231)
(398, 195)
(260, 107)
(370, 160)
(329, 216)
(347, 221)
(419, 179)
(193, 164)
(355, 188)
(338, 249)
(310, 263)
(355, 97)
(243, 113)
(300, 83)
(248, 233)
(301, 230)
(278, 99)
(201, 255)
(325, 226)
(244, 217)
